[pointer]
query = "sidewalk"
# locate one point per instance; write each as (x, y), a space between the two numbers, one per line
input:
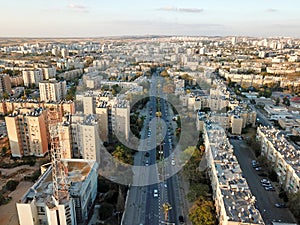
(184, 186)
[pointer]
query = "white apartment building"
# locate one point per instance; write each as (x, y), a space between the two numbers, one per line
(120, 113)
(39, 207)
(284, 157)
(52, 90)
(85, 132)
(234, 201)
(49, 73)
(89, 105)
(32, 77)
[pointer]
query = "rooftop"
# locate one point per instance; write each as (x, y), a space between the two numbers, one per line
(286, 149)
(237, 197)
(42, 190)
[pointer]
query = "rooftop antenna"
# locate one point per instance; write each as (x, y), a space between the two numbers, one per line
(59, 169)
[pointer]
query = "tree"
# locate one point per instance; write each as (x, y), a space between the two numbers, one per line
(294, 203)
(202, 212)
(116, 89)
(4, 149)
(105, 211)
(197, 190)
(5, 95)
(11, 185)
(277, 101)
(252, 101)
(164, 73)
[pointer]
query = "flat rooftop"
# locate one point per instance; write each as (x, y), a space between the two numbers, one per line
(42, 190)
(286, 149)
(237, 197)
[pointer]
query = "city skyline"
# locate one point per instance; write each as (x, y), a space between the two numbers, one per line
(168, 17)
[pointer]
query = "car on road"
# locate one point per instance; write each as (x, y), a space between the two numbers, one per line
(280, 205)
(258, 168)
(155, 193)
(173, 162)
(270, 188)
(147, 163)
(181, 220)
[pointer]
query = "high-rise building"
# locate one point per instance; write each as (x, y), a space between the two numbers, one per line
(27, 132)
(49, 73)
(32, 77)
(121, 118)
(64, 53)
(38, 206)
(88, 103)
(52, 90)
(5, 84)
(103, 112)
(85, 132)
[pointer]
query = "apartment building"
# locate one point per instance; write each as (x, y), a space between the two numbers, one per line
(89, 103)
(16, 81)
(65, 53)
(64, 107)
(5, 84)
(103, 112)
(38, 206)
(27, 132)
(285, 158)
(236, 119)
(234, 201)
(52, 90)
(114, 117)
(120, 117)
(32, 77)
(48, 73)
(85, 137)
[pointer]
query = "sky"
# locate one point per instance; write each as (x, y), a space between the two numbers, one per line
(97, 18)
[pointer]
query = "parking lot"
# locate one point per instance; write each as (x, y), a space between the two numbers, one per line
(266, 200)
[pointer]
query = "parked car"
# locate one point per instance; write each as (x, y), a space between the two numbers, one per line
(264, 180)
(270, 188)
(181, 220)
(280, 205)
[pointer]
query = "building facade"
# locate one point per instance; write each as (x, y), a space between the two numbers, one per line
(233, 199)
(27, 132)
(52, 90)
(39, 207)
(284, 157)
(5, 84)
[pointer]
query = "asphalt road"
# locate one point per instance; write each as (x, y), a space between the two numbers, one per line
(265, 200)
(142, 207)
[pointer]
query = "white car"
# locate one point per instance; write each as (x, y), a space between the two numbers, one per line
(173, 162)
(155, 193)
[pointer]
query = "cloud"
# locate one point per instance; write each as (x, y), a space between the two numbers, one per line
(271, 10)
(184, 10)
(77, 8)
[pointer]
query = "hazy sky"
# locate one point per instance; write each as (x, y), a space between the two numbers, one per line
(88, 18)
